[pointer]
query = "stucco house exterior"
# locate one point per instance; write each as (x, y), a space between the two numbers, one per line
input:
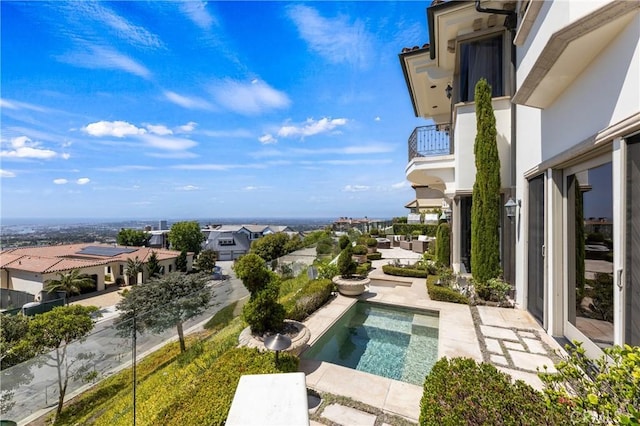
(566, 95)
(28, 268)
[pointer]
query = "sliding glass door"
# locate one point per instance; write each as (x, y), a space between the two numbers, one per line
(632, 243)
(535, 249)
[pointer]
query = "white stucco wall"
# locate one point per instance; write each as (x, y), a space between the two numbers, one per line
(464, 139)
(553, 16)
(598, 98)
(30, 282)
(528, 155)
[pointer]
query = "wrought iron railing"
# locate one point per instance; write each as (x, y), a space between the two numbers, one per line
(427, 141)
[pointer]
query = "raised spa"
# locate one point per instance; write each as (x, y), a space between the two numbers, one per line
(393, 342)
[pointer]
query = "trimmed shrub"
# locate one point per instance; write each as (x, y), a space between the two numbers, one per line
(360, 250)
(443, 244)
(460, 391)
(343, 242)
(309, 299)
(404, 272)
(445, 294)
(363, 268)
(263, 312)
(374, 256)
(408, 228)
(346, 264)
(371, 242)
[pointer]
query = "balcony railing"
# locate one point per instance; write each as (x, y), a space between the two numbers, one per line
(428, 141)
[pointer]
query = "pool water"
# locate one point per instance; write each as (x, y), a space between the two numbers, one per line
(397, 343)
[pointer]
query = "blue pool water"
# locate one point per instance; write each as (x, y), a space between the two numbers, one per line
(397, 343)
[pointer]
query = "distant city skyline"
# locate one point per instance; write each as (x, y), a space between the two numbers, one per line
(206, 109)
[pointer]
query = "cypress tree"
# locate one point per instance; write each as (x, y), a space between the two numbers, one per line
(443, 247)
(485, 208)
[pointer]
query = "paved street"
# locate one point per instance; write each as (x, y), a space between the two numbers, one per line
(111, 352)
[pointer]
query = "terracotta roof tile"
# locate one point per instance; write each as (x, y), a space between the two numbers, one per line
(415, 48)
(45, 259)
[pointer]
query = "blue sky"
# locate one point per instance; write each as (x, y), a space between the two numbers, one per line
(183, 110)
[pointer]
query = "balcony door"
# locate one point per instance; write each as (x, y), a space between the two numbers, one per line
(535, 249)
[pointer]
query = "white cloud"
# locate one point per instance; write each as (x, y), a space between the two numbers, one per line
(83, 181)
(267, 139)
(159, 129)
(337, 40)
(192, 102)
(6, 174)
(23, 147)
(189, 127)
(248, 98)
(65, 156)
(60, 181)
(100, 57)
(167, 143)
(197, 12)
(376, 119)
(312, 127)
(355, 188)
(188, 188)
(118, 129)
(250, 188)
(126, 31)
(17, 105)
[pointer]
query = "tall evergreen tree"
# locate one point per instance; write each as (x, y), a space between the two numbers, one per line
(485, 209)
(443, 248)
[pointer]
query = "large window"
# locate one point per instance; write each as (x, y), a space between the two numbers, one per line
(481, 58)
(590, 253)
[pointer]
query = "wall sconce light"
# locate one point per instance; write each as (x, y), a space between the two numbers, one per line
(448, 91)
(510, 207)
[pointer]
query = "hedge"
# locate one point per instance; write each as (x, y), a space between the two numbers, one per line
(444, 294)
(408, 228)
(405, 272)
(374, 256)
(308, 299)
(460, 391)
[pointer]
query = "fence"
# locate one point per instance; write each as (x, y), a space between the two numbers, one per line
(14, 299)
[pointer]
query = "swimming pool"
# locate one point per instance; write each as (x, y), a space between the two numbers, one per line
(398, 343)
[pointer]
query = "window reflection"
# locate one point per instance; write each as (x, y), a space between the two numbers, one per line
(590, 228)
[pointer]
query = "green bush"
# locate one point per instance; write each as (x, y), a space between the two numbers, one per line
(371, 242)
(363, 269)
(608, 394)
(405, 272)
(343, 242)
(374, 256)
(408, 228)
(494, 290)
(309, 299)
(460, 391)
(346, 265)
(360, 250)
(263, 312)
(374, 232)
(442, 293)
(443, 244)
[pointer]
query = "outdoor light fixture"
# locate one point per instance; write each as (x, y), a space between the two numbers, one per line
(448, 91)
(511, 207)
(443, 216)
(277, 343)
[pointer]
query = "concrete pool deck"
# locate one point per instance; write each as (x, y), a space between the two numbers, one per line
(510, 339)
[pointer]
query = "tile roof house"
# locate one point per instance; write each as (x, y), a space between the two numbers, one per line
(565, 77)
(28, 268)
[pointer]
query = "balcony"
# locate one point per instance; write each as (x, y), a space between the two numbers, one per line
(429, 141)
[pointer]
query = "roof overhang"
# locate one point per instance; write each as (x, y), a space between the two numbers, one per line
(570, 50)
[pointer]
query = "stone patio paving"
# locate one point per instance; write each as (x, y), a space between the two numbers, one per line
(510, 339)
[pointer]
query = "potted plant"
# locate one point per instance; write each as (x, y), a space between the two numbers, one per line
(360, 253)
(372, 245)
(347, 282)
(264, 314)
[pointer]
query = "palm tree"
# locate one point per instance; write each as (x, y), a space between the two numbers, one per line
(134, 267)
(71, 282)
